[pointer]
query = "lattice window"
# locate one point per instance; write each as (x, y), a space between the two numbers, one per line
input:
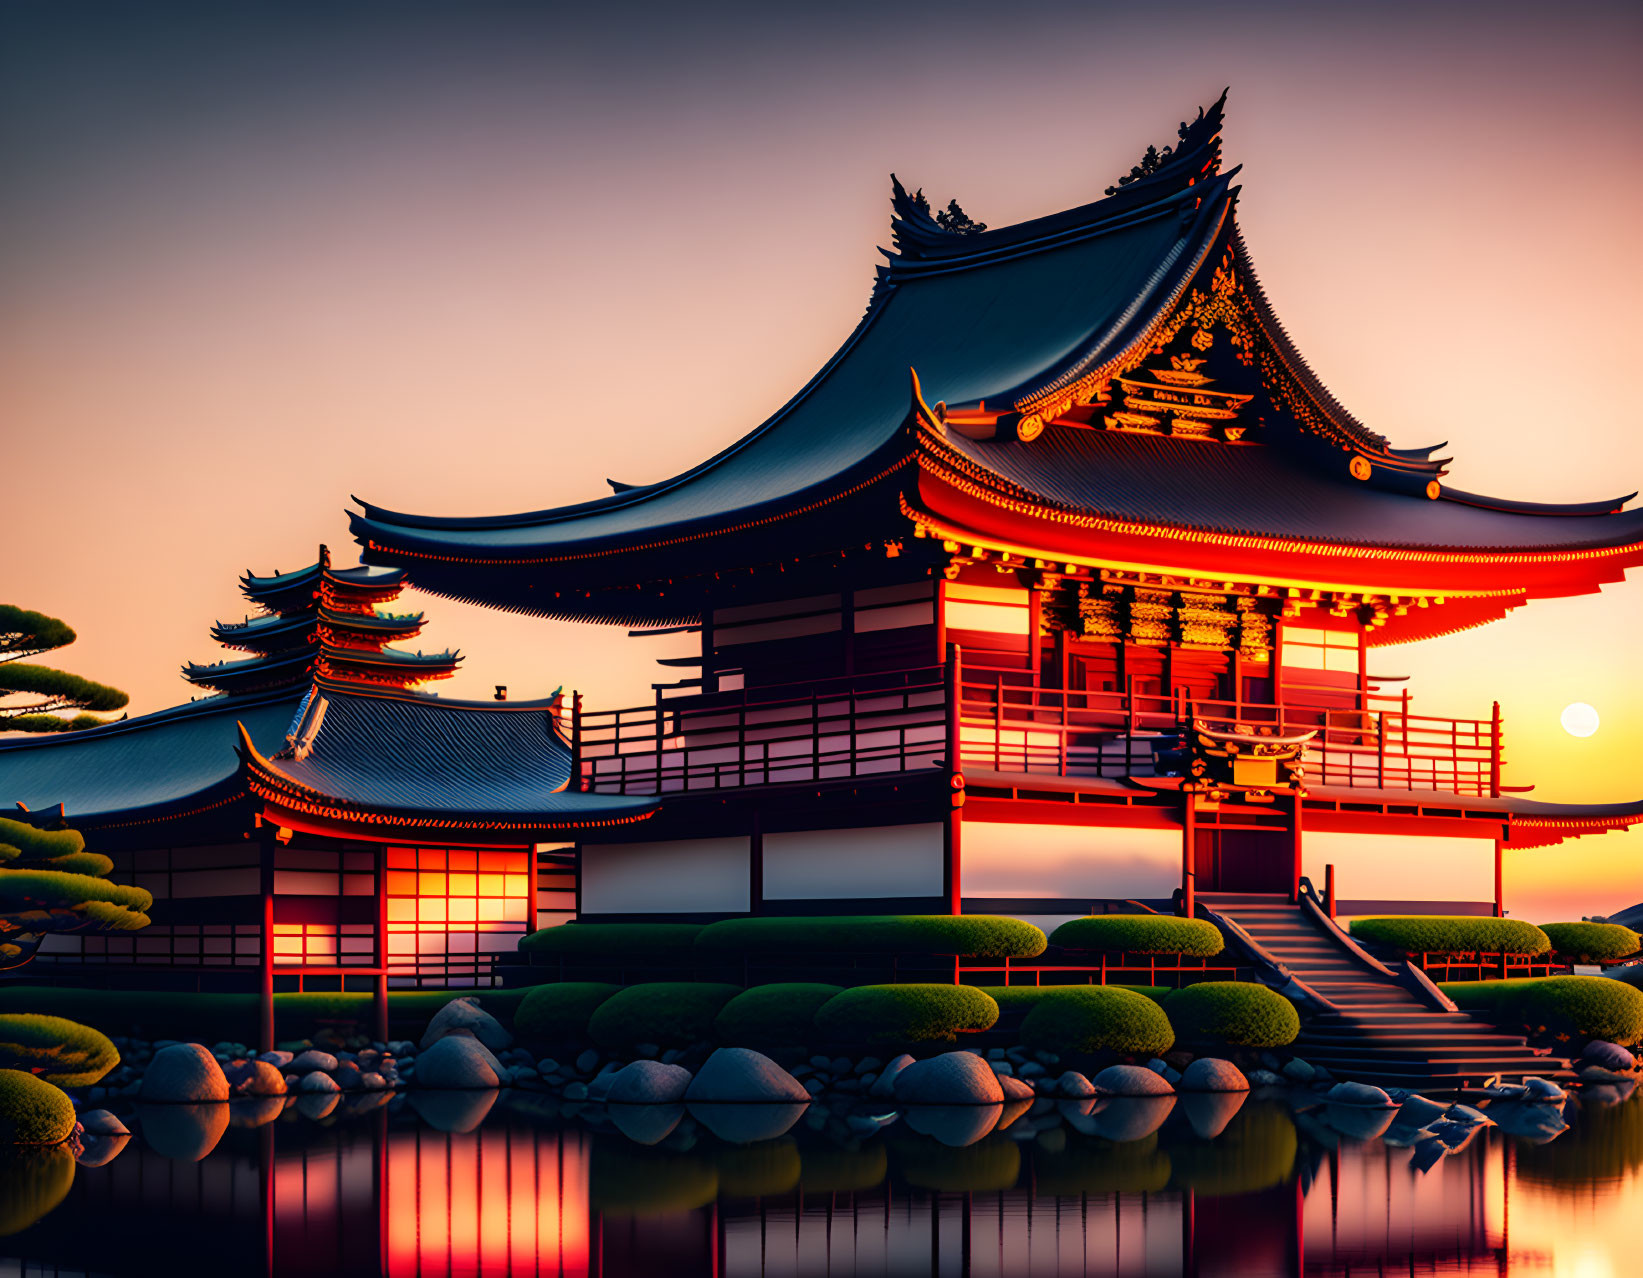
(1308, 649)
(452, 911)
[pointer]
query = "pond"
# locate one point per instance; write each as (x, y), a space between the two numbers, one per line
(506, 1185)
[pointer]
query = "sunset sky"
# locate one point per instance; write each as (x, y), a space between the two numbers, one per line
(475, 258)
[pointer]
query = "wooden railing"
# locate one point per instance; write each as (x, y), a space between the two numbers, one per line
(828, 730)
(867, 725)
(1012, 724)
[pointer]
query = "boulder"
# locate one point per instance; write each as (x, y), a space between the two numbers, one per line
(1298, 1071)
(184, 1072)
(317, 1082)
(260, 1079)
(648, 1082)
(953, 1078)
(1360, 1094)
(348, 1076)
(646, 1124)
(317, 1105)
(1073, 1085)
(1468, 1115)
(312, 1060)
(1127, 1118)
(1264, 1078)
(1211, 1074)
(1015, 1088)
(277, 1059)
(1543, 1089)
(746, 1124)
(1417, 1112)
(97, 1151)
(1360, 1122)
(371, 1081)
(465, 1013)
(740, 1074)
(885, 1084)
(458, 1062)
(587, 1062)
(1131, 1080)
(1608, 1056)
(99, 1122)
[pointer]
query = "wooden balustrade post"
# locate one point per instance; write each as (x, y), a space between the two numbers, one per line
(1494, 751)
(1189, 846)
(576, 741)
(1329, 889)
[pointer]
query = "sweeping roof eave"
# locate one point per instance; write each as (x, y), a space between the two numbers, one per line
(996, 319)
(154, 767)
(1168, 502)
(251, 672)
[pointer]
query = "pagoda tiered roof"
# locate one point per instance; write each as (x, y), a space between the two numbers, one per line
(324, 619)
(1107, 386)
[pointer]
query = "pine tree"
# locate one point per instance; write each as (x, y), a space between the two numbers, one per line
(50, 884)
(28, 634)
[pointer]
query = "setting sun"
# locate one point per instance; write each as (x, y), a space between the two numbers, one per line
(1579, 719)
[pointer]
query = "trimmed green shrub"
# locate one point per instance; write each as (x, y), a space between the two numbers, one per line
(1452, 934)
(556, 1013)
(614, 940)
(1577, 1006)
(972, 935)
(1236, 1013)
(1592, 942)
(1097, 1018)
(666, 1013)
(1026, 997)
(1141, 934)
(59, 1051)
(902, 1015)
(32, 1112)
(1256, 1151)
(771, 1016)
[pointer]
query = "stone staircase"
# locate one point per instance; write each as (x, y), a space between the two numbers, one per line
(1378, 1030)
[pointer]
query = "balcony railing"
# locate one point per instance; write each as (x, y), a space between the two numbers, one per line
(1013, 725)
(870, 725)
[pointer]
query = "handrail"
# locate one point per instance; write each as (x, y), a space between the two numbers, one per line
(1006, 719)
(1269, 969)
(1336, 933)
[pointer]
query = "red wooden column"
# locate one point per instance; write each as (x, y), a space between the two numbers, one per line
(952, 825)
(265, 984)
(379, 1000)
(1189, 846)
(1500, 879)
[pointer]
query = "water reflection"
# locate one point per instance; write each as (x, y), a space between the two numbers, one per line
(481, 1184)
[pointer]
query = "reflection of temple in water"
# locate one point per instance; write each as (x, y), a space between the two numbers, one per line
(373, 1198)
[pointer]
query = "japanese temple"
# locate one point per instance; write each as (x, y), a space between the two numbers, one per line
(1064, 581)
(319, 816)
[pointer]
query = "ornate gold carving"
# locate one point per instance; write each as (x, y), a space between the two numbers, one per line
(1225, 759)
(1206, 621)
(1151, 617)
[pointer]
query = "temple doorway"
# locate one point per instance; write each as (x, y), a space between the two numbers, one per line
(1243, 860)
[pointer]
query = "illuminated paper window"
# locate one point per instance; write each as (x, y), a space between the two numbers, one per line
(1308, 649)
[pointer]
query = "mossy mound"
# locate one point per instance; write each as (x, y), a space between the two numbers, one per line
(1553, 1006)
(1592, 942)
(1140, 934)
(904, 1015)
(768, 1017)
(666, 1013)
(1233, 1013)
(973, 935)
(1097, 1018)
(33, 1112)
(1451, 934)
(59, 1051)
(559, 1013)
(614, 940)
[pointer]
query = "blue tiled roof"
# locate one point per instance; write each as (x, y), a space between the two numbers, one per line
(151, 762)
(408, 753)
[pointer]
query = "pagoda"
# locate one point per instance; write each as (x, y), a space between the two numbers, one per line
(1065, 582)
(321, 621)
(318, 823)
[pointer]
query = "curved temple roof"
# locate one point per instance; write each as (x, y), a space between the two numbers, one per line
(153, 765)
(1026, 330)
(451, 763)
